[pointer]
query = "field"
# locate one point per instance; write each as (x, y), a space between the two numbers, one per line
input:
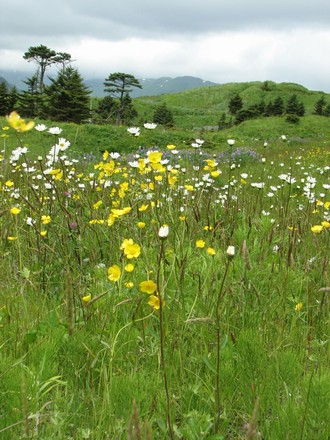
(167, 286)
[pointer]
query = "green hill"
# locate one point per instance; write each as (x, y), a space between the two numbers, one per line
(203, 107)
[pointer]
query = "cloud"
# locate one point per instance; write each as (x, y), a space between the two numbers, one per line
(215, 39)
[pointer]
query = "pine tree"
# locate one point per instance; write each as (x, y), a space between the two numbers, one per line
(43, 57)
(278, 107)
(320, 106)
(4, 99)
(67, 97)
(29, 101)
(294, 107)
(235, 104)
(119, 85)
(163, 115)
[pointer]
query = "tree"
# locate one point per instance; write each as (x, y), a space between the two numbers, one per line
(29, 101)
(107, 108)
(119, 85)
(320, 106)
(4, 97)
(43, 57)
(278, 106)
(63, 59)
(294, 107)
(163, 115)
(68, 98)
(235, 104)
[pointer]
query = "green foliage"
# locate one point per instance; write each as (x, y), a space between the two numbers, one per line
(235, 104)
(119, 85)
(163, 115)
(67, 98)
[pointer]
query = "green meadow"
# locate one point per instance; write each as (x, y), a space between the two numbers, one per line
(171, 285)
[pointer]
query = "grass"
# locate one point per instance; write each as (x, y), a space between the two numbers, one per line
(224, 346)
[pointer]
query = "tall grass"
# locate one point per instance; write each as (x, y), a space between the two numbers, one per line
(110, 329)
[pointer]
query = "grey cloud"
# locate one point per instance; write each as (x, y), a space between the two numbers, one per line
(71, 19)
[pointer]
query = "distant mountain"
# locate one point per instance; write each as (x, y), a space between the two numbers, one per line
(154, 86)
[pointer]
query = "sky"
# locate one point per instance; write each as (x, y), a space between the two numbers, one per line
(217, 40)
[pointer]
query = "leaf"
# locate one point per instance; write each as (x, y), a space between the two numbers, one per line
(25, 273)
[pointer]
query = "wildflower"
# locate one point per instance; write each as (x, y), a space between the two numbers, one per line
(163, 231)
(230, 142)
(143, 208)
(150, 125)
(11, 238)
(45, 219)
(17, 123)
(135, 131)
(43, 233)
(86, 298)
(155, 157)
(148, 286)
(141, 225)
(9, 183)
(154, 301)
(171, 147)
(317, 229)
(40, 127)
(230, 251)
(15, 210)
(200, 244)
(211, 251)
(129, 285)
(131, 249)
(55, 130)
(114, 273)
(298, 307)
(326, 224)
(129, 267)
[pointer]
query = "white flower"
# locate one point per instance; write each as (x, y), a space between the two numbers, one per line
(150, 125)
(40, 127)
(196, 145)
(163, 231)
(135, 131)
(55, 130)
(283, 137)
(230, 251)
(199, 141)
(63, 144)
(114, 155)
(230, 142)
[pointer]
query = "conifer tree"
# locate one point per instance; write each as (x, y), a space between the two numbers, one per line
(67, 97)
(4, 98)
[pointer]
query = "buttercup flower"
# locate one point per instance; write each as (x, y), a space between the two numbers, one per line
(200, 244)
(316, 229)
(148, 286)
(17, 123)
(114, 273)
(15, 210)
(154, 301)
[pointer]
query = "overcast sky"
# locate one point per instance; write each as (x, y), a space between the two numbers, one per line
(216, 40)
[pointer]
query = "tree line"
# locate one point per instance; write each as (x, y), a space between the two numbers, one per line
(67, 98)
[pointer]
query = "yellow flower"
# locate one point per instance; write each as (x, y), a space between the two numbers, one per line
(154, 301)
(15, 210)
(17, 123)
(114, 273)
(200, 244)
(171, 147)
(9, 183)
(182, 218)
(211, 251)
(316, 229)
(143, 208)
(11, 238)
(129, 267)
(129, 285)
(155, 157)
(141, 225)
(97, 204)
(131, 249)
(43, 233)
(326, 205)
(326, 224)
(148, 286)
(298, 307)
(86, 298)
(45, 219)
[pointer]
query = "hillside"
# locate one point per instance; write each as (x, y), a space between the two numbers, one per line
(204, 106)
